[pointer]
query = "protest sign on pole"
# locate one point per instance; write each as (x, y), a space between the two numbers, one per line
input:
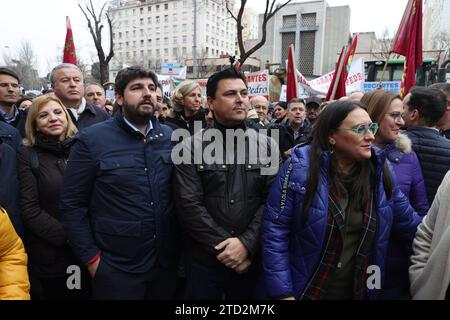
(167, 84)
(258, 84)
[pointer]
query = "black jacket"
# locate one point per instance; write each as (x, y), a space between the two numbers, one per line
(45, 238)
(179, 122)
(219, 201)
(433, 152)
(286, 135)
(90, 116)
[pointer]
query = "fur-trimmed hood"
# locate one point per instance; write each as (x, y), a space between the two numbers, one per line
(403, 143)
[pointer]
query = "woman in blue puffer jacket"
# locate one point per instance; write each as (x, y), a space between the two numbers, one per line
(386, 108)
(330, 213)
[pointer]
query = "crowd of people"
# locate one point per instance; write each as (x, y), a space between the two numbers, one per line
(358, 206)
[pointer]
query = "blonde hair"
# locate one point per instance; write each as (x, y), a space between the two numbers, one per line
(181, 91)
(33, 112)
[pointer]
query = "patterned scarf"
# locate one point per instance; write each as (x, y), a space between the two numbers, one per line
(318, 284)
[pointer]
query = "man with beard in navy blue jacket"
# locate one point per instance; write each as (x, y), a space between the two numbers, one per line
(116, 201)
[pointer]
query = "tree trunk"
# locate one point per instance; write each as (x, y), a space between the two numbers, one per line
(104, 72)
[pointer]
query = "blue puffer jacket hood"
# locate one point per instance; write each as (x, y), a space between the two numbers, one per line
(292, 250)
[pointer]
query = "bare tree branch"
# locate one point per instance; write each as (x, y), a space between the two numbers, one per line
(269, 12)
(101, 11)
(89, 24)
(111, 40)
(96, 26)
(230, 12)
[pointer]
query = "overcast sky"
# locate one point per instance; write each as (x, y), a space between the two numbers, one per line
(42, 22)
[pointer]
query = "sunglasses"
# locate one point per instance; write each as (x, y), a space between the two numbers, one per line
(362, 129)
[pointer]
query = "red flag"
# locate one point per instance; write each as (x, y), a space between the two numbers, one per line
(291, 76)
(408, 43)
(343, 66)
(69, 47)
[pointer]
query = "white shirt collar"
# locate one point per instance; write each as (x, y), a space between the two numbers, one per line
(149, 127)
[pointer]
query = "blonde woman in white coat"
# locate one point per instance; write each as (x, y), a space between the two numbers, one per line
(430, 270)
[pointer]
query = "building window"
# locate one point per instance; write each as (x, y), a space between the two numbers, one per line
(184, 27)
(166, 29)
(290, 21)
(184, 50)
(166, 18)
(166, 40)
(158, 30)
(149, 9)
(166, 51)
(134, 12)
(166, 6)
(157, 8)
(174, 17)
(158, 52)
(142, 10)
(309, 20)
(184, 39)
(185, 4)
(175, 29)
(175, 4)
(175, 40)
(134, 33)
(142, 43)
(149, 42)
(158, 42)
(149, 31)
(157, 19)
(175, 52)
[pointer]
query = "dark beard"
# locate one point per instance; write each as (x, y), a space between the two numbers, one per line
(132, 113)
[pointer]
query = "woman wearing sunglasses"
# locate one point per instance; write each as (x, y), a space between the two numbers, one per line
(330, 213)
(386, 108)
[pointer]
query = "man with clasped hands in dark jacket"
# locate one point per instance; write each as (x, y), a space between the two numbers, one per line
(116, 199)
(219, 204)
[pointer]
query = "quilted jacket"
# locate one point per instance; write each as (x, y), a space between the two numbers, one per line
(292, 250)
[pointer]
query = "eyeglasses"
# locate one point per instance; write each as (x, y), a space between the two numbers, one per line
(6, 85)
(362, 129)
(397, 116)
